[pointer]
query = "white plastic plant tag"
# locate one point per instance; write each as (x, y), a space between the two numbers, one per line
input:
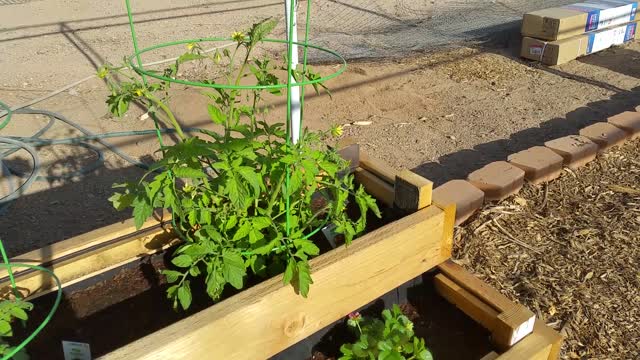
(76, 350)
(329, 232)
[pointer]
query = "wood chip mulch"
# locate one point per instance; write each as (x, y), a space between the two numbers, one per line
(570, 251)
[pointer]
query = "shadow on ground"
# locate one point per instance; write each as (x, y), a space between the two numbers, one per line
(457, 165)
(506, 42)
(70, 209)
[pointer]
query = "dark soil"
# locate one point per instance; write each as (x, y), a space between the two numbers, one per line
(448, 332)
(110, 313)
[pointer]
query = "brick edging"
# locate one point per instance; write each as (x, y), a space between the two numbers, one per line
(539, 164)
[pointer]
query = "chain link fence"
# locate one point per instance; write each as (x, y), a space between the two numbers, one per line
(391, 28)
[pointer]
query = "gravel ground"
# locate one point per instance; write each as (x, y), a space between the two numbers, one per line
(569, 251)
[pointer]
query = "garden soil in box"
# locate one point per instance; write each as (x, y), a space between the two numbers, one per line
(127, 303)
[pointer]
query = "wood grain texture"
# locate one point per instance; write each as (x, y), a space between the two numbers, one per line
(513, 322)
(475, 308)
(476, 286)
(267, 318)
(542, 344)
(88, 254)
(412, 191)
(375, 186)
(378, 167)
(450, 223)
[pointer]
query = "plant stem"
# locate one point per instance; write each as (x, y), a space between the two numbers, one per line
(276, 192)
(169, 113)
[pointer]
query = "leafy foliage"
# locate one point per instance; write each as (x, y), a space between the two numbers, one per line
(391, 339)
(10, 310)
(242, 198)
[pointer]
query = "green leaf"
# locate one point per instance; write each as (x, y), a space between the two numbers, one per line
(233, 189)
(233, 268)
(253, 178)
(261, 222)
(192, 216)
(189, 57)
(216, 115)
(288, 272)
(331, 168)
(232, 221)
(243, 231)
(121, 201)
(260, 30)
(169, 197)
(215, 284)
(360, 350)
(18, 313)
(194, 271)
(122, 106)
(141, 212)
(196, 250)
(390, 355)
(295, 182)
(182, 261)
(205, 217)
(307, 246)
(172, 275)
(5, 328)
(155, 185)
(304, 278)
(310, 170)
(265, 249)
(255, 236)
(425, 355)
(184, 295)
(190, 173)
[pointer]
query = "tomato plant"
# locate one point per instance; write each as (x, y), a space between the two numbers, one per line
(245, 199)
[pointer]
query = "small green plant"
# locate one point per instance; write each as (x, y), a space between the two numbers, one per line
(391, 339)
(10, 310)
(244, 199)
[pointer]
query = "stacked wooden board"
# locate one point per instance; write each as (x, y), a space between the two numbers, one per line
(558, 35)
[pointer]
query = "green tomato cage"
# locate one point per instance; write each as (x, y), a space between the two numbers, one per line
(295, 90)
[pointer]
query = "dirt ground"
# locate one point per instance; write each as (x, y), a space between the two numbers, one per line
(569, 251)
(442, 114)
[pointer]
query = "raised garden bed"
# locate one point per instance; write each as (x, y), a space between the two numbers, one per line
(135, 321)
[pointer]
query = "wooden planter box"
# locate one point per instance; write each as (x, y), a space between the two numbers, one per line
(267, 318)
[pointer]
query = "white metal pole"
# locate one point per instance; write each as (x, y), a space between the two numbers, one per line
(295, 91)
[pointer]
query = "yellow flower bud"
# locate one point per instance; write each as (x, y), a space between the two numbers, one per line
(336, 131)
(238, 36)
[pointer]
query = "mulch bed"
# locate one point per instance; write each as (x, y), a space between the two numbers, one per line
(570, 251)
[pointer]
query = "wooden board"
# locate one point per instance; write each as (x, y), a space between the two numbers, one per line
(378, 167)
(513, 321)
(375, 186)
(86, 255)
(267, 318)
(476, 286)
(475, 308)
(542, 344)
(412, 191)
